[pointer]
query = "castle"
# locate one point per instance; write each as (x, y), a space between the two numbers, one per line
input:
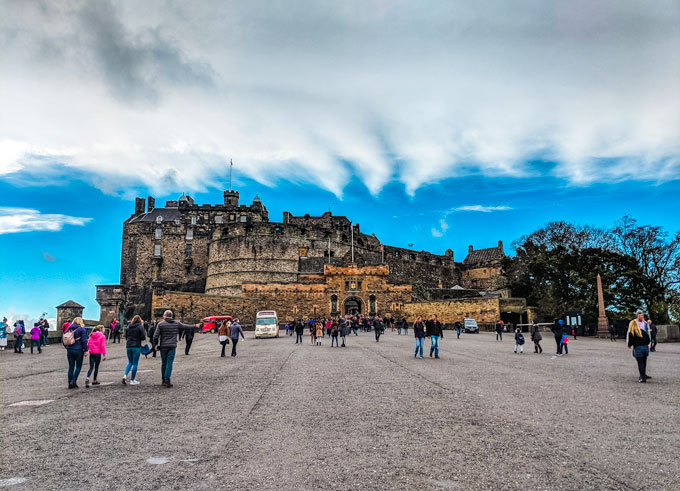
(205, 260)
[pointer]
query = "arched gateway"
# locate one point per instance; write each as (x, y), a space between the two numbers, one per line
(353, 305)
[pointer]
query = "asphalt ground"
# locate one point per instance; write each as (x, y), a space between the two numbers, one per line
(369, 416)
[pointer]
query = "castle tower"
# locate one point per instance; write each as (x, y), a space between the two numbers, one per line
(231, 198)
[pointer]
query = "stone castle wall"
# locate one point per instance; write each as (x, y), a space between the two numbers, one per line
(483, 310)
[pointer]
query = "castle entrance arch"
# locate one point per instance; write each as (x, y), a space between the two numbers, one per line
(353, 305)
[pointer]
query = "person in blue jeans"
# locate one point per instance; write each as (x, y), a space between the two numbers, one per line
(419, 332)
(77, 351)
(165, 337)
(434, 330)
(134, 335)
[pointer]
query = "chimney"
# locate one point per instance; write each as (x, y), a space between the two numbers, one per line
(470, 249)
(139, 206)
(151, 204)
(500, 245)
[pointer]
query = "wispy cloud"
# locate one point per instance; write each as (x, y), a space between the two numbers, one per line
(49, 257)
(481, 208)
(15, 220)
(443, 227)
(385, 91)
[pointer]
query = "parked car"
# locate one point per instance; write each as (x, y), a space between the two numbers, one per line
(212, 324)
(470, 325)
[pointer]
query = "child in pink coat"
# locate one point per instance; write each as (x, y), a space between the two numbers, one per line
(96, 345)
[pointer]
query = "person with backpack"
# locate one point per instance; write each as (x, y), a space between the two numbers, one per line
(96, 345)
(19, 331)
(377, 328)
(134, 335)
(536, 338)
(519, 341)
(75, 342)
(3, 334)
(165, 337)
(36, 334)
(334, 334)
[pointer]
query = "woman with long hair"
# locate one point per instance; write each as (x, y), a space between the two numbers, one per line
(75, 342)
(419, 333)
(223, 334)
(638, 339)
(134, 336)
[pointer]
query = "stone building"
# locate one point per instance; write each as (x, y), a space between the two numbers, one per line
(211, 259)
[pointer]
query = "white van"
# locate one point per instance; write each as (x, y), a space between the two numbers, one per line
(266, 324)
(470, 325)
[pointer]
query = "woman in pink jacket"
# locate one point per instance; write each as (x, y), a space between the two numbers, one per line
(96, 345)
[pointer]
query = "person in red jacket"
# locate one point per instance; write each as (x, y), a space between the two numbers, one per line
(96, 345)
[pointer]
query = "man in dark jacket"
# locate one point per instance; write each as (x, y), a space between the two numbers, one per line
(434, 330)
(652, 335)
(558, 331)
(376, 326)
(299, 330)
(189, 337)
(499, 331)
(165, 337)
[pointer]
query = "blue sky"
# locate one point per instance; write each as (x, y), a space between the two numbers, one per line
(463, 123)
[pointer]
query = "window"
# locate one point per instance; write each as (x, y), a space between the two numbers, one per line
(303, 252)
(193, 220)
(232, 218)
(159, 233)
(187, 249)
(218, 219)
(396, 253)
(156, 250)
(412, 256)
(243, 218)
(159, 219)
(190, 233)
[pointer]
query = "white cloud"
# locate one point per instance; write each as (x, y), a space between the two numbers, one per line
(14, 220)
(300, 91)
(483, 209)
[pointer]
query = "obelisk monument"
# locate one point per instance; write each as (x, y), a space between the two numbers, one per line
(602, 322)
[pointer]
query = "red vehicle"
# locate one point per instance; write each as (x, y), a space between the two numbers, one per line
(212, 323)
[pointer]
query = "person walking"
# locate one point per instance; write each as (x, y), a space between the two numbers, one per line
(638, 339)
(319, 333)
(96, 345)
(223, 334)
(312, 331)
(499, 331)
(165, 337)
(536, 338)
(3, 334)
(398, 323)
(344, 332)
(564, 348)
(115, 330)
(334, 334)
(458, 326)
(434, 330)
(419, 333)
(404, 324)
(189, 338)
(558, 331)
(152, 330)
(75, 342)
(519, 341)
(234, 331)
(36, 334)
(377, 328)
(44, 331)
(299, 331)
(652, 335)
(19, 331)
(134, 335)
(612, 333)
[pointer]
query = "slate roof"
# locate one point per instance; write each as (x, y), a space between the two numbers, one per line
(70, 304)
(484, 256)
(168, 214)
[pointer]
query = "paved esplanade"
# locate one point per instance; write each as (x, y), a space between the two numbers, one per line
(369, 416)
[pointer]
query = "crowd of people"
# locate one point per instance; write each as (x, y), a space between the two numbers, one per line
(164, 335)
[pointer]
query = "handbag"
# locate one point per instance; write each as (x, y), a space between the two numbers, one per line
(145, 349)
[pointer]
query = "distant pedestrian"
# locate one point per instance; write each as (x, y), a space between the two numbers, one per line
(165, 337)
(234, 331)
(96, 345)
(499, 331)
(377, 328)
(334, 335)
(435, 332)
(75, 342)
(399, 326)
(188, 339)
(312, 331)
(319, 333)
(612, 333)
(287, 328)
(344, 332)
(115, 331)
(223, 334)
(134, 335)
(564, 348)
(299, 331)
(419, 333)
(519, 341)
(45, 331)
(36, 334)
(3, 334)
(638, 338)
(558, 332)
(457, 326)
(404, 323)
(19, 331)
(536, 338)
(65, 325)
(652, 335)
(152, 330)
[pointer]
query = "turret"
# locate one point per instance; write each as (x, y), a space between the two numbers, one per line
(231, 198)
